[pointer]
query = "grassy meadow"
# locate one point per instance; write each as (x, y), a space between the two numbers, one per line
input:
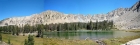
(122, 40)
(19, 40)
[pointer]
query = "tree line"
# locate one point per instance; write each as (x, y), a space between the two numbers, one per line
(98, 25)
(40, 28)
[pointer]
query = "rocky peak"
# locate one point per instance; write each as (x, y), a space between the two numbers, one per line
(136, 7)
(124, 18)
(51, 12)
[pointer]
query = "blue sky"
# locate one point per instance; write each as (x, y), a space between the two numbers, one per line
(18, 8)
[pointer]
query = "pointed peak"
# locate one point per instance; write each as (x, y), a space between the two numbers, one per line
(51, 11)
(136, 7)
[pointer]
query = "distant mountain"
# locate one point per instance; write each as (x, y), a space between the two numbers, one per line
(131, 19)
(124, 18)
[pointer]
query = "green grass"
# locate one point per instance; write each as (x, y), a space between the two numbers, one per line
(118, 41)
(133, 31)
(123, 40)
(55, 41)
(19, 40)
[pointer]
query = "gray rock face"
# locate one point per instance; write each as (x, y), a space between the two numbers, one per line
(124, 18)
(129, 20)
(136, 7)
(49, 16)
(133, 42)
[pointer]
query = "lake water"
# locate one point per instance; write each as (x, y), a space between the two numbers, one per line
(88, 34)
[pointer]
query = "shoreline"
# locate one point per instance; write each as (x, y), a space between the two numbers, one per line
(121, 40)
(51, 41)
(133, 42)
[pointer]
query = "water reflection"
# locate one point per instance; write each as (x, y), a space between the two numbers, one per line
(88, 34)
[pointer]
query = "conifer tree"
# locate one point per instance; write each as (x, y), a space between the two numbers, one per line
(9, 42)
(26, 42)
(0, 37)
(30, 40)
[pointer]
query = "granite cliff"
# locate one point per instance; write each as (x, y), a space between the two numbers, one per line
(124, 18)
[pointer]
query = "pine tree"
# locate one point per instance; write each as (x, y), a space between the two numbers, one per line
(17, 30)
(59, 27)
(111, 23)
(96, 25)
(26, 28)
(42, 33)
(91, 25)
(26, 42)
(40, 30)
(0, 37)
(0, 29)
(14, 30)
(30, 40)
(76, 27)
(9, 42)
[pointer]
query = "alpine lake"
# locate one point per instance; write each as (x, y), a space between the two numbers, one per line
(88, 34)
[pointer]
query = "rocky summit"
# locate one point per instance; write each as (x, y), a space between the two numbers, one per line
(124, 18)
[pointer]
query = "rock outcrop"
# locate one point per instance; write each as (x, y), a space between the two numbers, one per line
(133, 42)
(124, 18)
(129, 20)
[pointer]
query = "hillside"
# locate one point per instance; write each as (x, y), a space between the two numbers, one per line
(124, 18)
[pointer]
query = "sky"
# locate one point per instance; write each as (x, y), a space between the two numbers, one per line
(18, 8)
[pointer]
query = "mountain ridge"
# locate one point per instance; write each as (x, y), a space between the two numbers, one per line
(122, 18)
